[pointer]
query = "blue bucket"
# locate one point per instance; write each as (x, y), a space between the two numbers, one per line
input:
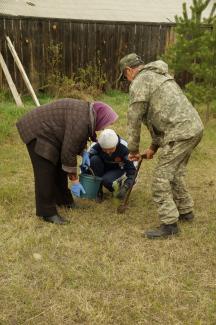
(91, 185)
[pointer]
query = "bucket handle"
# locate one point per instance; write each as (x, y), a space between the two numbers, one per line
(91, 171)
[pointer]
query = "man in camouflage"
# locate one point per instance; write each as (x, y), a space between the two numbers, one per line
(156, 100)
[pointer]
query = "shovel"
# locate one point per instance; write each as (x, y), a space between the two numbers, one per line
(123, 206)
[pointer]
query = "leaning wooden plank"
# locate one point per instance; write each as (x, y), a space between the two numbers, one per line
(11, 84)
(22, 71)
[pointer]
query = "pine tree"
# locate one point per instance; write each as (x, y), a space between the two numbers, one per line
(203, 88)
(194, 52)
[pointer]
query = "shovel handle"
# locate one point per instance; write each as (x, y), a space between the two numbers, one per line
(122, 207)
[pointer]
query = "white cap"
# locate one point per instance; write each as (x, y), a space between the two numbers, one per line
(108, 139)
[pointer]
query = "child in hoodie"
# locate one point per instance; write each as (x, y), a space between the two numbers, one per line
(109, 160)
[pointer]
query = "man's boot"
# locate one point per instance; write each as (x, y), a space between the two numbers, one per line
(186, 216)
(163, 231)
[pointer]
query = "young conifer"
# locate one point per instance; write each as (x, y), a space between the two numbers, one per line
(194, 53)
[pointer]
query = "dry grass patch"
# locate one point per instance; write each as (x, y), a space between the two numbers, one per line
(100, 269)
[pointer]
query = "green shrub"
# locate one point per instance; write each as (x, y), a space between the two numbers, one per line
(88, 83)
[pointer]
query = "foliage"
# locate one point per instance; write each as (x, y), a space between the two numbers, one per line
(5, 95)
(203, 88)
(195, 52)
(55, 59)
(8, 114)
(87, 83)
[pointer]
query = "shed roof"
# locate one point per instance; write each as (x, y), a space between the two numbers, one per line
(106, 10)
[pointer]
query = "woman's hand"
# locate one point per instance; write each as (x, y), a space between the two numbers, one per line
(77, 189)
(73, 177)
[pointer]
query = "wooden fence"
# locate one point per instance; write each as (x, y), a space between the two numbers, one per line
(83, 43)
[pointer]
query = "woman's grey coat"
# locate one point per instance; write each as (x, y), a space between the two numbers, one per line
(61, 130)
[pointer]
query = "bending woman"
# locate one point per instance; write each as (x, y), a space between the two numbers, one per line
(54, 135)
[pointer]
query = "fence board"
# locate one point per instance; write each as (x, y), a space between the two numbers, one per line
(83, 43)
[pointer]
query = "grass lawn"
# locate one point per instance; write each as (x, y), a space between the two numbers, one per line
(99, 269)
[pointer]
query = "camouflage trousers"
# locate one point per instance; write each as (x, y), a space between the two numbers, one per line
(169, 189)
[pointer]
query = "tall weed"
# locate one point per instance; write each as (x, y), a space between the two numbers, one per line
(88, 83)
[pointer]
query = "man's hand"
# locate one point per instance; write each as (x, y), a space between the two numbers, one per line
(149, 153)
(137, 156)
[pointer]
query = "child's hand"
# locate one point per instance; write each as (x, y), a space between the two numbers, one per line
(134, 156)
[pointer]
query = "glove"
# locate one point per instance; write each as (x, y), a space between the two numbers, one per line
(85, 160)
(77, 189)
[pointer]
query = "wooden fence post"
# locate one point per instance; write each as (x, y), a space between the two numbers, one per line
(22, 71)
(11, 84)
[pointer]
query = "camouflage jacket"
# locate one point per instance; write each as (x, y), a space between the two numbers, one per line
(157, 101)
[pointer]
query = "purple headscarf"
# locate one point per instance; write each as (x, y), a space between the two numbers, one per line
(104, 115)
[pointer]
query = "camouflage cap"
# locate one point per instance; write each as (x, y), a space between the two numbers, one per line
(130, 60)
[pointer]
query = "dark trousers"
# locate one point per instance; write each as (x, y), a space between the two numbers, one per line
(51, 184)
(108, 174)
